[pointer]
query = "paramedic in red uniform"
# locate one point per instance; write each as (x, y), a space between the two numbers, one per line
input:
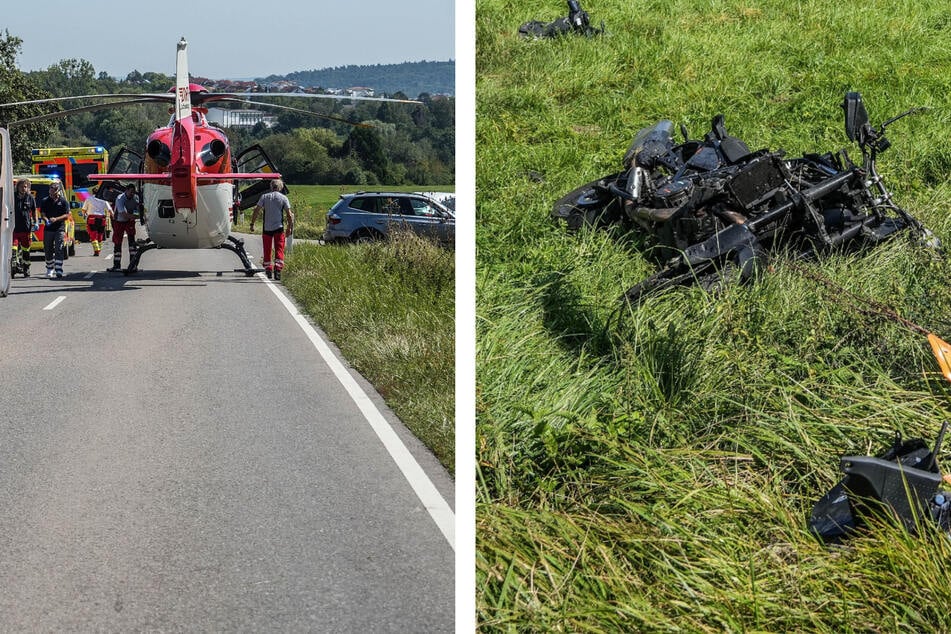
(274, 204)
(95, 210)
(128, 208)
(24, 215)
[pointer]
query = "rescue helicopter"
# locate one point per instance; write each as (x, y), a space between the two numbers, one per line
(188, 176)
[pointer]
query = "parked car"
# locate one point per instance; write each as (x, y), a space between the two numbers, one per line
(366, 216)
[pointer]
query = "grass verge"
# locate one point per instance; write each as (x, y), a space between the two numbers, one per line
(389, 307)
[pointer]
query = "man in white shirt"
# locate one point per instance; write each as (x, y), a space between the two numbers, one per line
(128, 208)
(94, 210)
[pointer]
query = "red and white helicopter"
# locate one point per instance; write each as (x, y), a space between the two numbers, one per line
(188, 178)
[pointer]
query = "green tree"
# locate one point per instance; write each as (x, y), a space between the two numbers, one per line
(365, 145)
(157, 82)
(443, 111)
(16, 86)
(69, 77)
(135, 78)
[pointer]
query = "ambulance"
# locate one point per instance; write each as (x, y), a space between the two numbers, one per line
(72, 165)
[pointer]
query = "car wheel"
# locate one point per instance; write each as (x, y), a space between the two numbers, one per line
(366, 235)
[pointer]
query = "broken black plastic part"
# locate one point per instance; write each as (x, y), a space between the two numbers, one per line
(902, 483)
(576, 22)
(883, 486)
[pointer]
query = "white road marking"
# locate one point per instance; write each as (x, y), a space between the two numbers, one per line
(425, 490)
(89, 274)
(53, 304)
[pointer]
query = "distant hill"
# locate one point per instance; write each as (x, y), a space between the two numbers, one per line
(411, 78)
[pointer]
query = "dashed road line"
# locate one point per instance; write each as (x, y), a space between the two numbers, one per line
(53, 304)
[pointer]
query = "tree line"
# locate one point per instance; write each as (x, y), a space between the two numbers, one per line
(323, 141)
(412, 78)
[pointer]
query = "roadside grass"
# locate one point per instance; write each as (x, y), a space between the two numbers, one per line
(653, 469)
(310, 204)
(389, 307)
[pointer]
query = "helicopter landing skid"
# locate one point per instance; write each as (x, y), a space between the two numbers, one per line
(236, 246)
(142, 247)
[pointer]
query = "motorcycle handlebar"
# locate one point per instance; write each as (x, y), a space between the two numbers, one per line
(806, 196)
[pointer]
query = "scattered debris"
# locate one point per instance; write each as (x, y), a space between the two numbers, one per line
(715, 209)
(902, 483)
(577, 23)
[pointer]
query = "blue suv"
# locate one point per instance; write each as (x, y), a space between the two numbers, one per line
(366, 216)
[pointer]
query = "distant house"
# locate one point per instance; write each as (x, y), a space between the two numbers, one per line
(229, 85)
(360, 91)
(240, 118)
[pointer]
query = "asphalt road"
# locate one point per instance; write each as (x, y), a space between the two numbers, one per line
(177, 455)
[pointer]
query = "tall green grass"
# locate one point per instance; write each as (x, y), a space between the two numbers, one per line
(653, 469)
(389, 307)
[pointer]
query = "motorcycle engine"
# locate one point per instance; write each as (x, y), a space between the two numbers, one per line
(673, 194)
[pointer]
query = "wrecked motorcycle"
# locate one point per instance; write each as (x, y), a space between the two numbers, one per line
(715, 209)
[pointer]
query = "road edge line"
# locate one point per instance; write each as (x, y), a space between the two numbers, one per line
(435, 504)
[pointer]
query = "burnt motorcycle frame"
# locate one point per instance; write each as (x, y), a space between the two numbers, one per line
(715, 209)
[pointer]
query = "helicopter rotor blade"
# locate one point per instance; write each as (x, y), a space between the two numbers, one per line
(65, 113)
(314, 114)
(152, 96)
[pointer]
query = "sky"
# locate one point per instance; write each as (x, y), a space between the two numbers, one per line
(234, 39)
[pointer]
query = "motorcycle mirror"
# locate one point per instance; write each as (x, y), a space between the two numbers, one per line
(856, 117)
(905, 114)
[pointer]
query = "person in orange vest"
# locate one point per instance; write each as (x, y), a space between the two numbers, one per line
(94, 210)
